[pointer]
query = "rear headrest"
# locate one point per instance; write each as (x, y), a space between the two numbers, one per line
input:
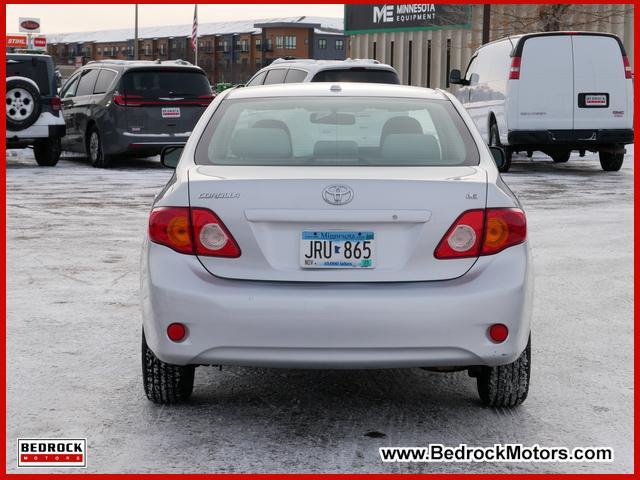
(271, 123)
(400, 125)
(407, 149)
(261, 143)
(337, 149)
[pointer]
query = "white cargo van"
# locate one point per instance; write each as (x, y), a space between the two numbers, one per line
(554, 92)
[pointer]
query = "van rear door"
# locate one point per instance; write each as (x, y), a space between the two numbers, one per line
(545, 87)
(601, 99)
(166, 101)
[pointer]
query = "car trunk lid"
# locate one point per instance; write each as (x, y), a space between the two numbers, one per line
(407, 211)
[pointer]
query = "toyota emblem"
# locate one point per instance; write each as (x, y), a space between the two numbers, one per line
(337, 194)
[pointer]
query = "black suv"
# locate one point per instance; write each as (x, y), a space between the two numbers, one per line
(120, 107)
(33, 106)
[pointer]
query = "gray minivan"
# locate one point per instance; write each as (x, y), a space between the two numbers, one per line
(135, 108)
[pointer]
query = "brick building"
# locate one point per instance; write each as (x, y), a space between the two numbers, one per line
(227, 51)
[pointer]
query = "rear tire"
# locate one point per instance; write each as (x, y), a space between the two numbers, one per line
(47, 152)
(506, 385)
(494, 141)
(165, 383)
(95, 150)
(23, 104)
(561, 156)
(611, 162)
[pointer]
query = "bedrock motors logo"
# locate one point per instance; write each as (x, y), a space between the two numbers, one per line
(52, 452)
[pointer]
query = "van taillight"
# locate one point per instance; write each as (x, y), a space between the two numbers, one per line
(56, 104)
(127, 100)
(195, 231)
(205, 100)
(514, 71)
(627, 67)
(483, 232)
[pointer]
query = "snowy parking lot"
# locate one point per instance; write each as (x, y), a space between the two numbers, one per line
(73, 324)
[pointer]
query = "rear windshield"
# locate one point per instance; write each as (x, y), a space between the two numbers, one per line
(337, 131)
(359, 75)
(34, 69)
(166, 83)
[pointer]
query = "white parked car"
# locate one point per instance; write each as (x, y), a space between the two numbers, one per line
(342, 225)
(307, 70)
(554, 92)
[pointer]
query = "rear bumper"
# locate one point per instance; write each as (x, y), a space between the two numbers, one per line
(575, 139)
(325, 325)
(125, 142)
(48, 125)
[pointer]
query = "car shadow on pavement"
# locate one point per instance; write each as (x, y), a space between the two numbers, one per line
(120, 163)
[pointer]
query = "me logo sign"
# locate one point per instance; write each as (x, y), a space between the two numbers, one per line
(46, 452)
(383, 14)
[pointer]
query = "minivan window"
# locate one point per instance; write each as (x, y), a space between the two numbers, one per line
(69, 89)
(360, 75)
(275, 76)
(336, 131)
(34, 69)
(166, 83)
(257, 80)
(87, 81)
(295, 76)
(104, 81)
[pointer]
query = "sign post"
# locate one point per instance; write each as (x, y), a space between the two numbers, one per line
(29, 25)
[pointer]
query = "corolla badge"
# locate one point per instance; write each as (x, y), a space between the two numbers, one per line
(337, 194)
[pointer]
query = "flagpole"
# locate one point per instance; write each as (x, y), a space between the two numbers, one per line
(196, 41)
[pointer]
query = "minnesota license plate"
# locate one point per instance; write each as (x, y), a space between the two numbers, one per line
(337, 249)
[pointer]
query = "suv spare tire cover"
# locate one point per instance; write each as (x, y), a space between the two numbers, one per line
(23, 103)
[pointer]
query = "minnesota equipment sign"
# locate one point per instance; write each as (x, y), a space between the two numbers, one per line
(373, 18)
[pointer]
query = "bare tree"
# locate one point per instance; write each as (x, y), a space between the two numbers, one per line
(551, 17)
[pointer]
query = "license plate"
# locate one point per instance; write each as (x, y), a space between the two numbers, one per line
(337, 249)
(171, 112)
(593, 100)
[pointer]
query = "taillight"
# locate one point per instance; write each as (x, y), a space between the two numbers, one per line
(205, 99)
(504, 227)
(463, 238)
(127, 100)
(211, 236)
(56, 104)
(483, 232)
(627, 67)
(195, 232)
(171, 226)
(514, 71)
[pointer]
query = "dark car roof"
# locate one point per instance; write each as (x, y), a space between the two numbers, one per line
(142, 64)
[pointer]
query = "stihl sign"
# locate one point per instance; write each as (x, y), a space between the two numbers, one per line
(17, 41)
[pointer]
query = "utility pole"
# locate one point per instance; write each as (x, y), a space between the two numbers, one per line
(135, 39)
(486, 23)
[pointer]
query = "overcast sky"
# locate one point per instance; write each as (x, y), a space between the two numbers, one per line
(78, 18)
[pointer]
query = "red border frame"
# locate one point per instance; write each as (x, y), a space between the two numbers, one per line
(381, 476)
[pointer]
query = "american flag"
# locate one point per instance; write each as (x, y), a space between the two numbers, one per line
(194, 29)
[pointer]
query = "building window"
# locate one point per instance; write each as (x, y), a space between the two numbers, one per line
(339, 44)
(290, 42)
(322, 43)
(258, 43)
(147, 49)
(99, 51)
(279, 41)
(244, 45)
(162, 48)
